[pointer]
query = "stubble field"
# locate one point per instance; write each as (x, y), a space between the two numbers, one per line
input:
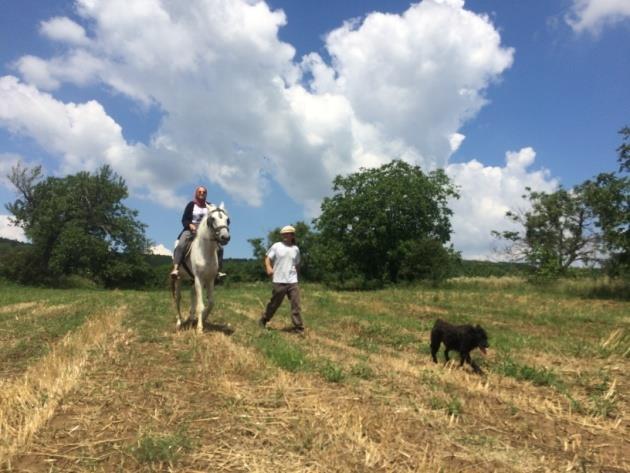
(100, 381)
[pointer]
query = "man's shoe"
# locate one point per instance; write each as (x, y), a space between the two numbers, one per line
(221, 275)
(297, 329)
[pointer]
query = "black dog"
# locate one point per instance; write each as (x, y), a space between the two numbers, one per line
(461, 338)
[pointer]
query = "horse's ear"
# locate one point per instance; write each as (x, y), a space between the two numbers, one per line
(222, 205)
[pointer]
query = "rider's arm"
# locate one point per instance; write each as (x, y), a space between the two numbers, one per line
(188, 216)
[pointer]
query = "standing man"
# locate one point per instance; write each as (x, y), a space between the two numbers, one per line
(282, 263)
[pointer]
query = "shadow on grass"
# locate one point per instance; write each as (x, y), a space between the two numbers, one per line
(225, 329)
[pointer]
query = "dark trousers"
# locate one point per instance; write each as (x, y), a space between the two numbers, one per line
(278, 291)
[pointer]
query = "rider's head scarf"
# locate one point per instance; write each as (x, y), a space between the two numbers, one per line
(200, 200)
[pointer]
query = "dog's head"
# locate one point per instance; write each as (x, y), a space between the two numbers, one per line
(481, 338)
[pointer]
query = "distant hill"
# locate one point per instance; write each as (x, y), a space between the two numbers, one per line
(476, 268)
(7, 244)
(159, 260)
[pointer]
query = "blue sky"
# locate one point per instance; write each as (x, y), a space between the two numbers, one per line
(266, 102)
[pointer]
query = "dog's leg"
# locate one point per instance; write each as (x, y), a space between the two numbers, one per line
(474, 365)
(435, 346)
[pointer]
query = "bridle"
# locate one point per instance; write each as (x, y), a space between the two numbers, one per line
(217, 229)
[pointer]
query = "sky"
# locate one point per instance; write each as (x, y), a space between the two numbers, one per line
(266, 102)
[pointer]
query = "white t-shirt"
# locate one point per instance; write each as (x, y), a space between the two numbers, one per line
(285, 259)
(198, 214)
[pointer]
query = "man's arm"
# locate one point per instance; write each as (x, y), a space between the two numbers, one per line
(268, 266)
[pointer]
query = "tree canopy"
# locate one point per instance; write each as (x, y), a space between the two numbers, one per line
(79, 225)
(557, 231)
(589, 224)
(378, 219)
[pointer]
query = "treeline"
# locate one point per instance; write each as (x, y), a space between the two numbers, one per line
(380, 226)
(240, 269)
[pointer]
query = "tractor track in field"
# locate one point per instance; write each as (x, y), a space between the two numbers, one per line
(27, 402)
(184, 402)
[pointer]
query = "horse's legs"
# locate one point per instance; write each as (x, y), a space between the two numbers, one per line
(209, 299)
(199, 308)
(177, 296)
(193, 303)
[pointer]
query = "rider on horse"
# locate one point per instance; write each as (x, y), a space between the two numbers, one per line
(194, 212)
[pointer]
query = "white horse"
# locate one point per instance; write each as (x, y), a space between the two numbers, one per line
(201, 264)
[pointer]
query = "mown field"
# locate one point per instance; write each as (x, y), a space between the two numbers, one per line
(99, 381)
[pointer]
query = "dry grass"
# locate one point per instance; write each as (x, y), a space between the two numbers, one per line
(17, 307)
(28, 402)
(166, 401)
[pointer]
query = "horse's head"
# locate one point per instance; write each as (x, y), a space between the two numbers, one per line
(219, 224)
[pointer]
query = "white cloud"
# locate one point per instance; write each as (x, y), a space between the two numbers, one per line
(78, 67)
(8, 230)
(488, 192)
(593, 15)
(160, 249)
(86, 138)
(63, 29)
(240, 108)
(234, 96)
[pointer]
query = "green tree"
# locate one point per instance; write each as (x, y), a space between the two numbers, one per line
(608, 194)
(558, 231)
(367, 227)
(78, 225)
(624, 150)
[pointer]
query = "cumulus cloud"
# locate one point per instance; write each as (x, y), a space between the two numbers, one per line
(63, 29)
(489, 192)
(8, 230)
(160, 250)
(86, 138)
(239, 108)
(237, 101)
(593, 15)
(77, 67)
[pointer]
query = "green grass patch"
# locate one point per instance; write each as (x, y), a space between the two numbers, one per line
(282, 353)
(362, 370)
(155, 447)
(332, 372)
(539, 376)
(452, 406)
